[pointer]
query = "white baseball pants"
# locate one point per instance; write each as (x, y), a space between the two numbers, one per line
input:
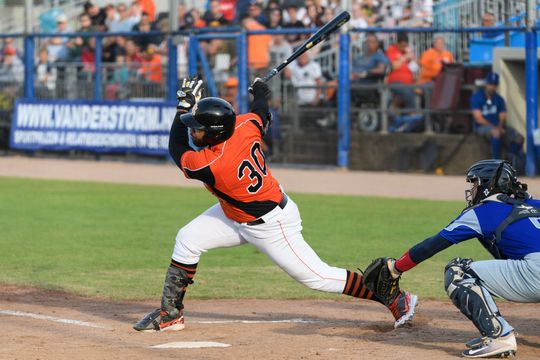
(279, 237)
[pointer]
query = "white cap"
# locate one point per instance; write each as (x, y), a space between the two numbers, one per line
(61, 18)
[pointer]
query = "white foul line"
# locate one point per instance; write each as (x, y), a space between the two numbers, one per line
(97, 326)
(302, 321)
(51, 318)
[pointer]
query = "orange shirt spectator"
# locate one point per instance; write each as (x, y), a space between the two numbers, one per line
(400, 56)
(258, 45)
(432, 60)
(151, 67)
(149, 7)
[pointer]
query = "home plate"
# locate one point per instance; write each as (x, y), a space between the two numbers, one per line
(190, 345)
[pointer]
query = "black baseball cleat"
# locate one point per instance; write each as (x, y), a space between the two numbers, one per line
(403, 308)
(159, 320)
(500, 347)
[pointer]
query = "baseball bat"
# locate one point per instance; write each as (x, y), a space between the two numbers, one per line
(316, 38)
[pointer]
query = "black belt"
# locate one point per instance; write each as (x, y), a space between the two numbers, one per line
(281, 204)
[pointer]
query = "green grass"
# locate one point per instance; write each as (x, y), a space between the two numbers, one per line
(115, 241)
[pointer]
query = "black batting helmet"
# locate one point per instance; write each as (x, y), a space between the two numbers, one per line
(490, 177)
(213, 115)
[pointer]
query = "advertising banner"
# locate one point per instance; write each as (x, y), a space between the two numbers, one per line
(96, 126)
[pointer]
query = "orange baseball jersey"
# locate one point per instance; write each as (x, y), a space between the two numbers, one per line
(235, 172)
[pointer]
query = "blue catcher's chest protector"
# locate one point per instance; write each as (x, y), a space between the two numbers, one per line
(508, 228)
(520, 210)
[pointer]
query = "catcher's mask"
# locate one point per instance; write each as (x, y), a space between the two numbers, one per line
(213, 115)
(488, 177)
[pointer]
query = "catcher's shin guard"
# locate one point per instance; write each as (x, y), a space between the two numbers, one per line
(463, 287)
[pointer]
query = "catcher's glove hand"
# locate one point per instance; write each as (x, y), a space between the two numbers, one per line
(378, 278)
(189, 94)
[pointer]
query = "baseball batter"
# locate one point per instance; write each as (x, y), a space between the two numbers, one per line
(501, 214)
(252, 207)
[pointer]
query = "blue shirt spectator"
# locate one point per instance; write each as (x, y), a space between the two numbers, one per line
(489, 113)
(371, 67)
(490, 106)
(126, 21)
(57, 46)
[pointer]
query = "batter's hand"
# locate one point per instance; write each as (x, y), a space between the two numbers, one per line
(260, 89)
(189, 94)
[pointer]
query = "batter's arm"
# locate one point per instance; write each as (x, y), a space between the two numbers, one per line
(178, 140)
(189, 94)
(261, 94)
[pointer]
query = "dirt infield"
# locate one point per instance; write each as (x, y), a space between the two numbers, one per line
(41, 324)
(262, 329)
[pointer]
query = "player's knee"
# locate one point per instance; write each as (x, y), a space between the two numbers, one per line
(475, 302)
(454, 273)
(186, 236)
(185, 250)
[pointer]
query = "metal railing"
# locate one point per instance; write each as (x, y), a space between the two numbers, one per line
(76, 83)
(468, 13)
(73, 80)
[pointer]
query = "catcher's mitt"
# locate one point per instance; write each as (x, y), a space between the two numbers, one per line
(378, 278)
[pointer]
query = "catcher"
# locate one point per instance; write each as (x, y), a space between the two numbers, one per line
(501, 214)
(252, 207)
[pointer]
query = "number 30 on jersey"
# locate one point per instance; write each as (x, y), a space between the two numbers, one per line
(254, 168)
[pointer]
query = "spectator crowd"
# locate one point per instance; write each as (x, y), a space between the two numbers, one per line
(132, 63)
(137, 58)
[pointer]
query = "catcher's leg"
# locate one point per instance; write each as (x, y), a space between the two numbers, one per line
(514, 280)
(210, 230)
(467, 293)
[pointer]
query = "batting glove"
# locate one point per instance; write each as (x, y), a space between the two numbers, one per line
(189, 94)
(260, 89)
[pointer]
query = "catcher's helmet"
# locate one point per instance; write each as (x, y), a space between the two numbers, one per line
(490, 177)
(213, 115)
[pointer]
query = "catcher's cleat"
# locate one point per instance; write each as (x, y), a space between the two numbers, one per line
(476, 342)
(500, 347)
(159, 320)
(403, 308)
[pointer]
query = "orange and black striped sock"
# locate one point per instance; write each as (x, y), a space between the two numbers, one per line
(355, 287)
(189, 269)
